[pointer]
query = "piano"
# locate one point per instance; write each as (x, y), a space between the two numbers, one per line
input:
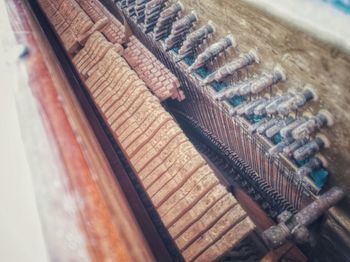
(156, 138)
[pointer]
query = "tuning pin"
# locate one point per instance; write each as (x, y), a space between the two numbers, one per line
(131, 7)
(255, 126)
(152, 12)
(233, 110)
(322, 119)
(260, 110)
(274, 130)
(297, 101)
(233, 90)
(280, 146)
(313, 164)
(260, 83)
(140, 6)
(232, 67)
(311, 147)
(289, 150)
(249, 108)
(194, 39)
(166, 19)
(268, 80)
(287, 131)
(123, 4)
(213, 51)
(179, 30)
(267, 125)
(271, 108)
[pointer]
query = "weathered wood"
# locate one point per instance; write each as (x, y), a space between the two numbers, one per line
(105, 221)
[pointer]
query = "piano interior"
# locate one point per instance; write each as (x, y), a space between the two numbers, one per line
(183, 131)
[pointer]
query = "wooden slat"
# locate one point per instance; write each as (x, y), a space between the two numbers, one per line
(173, 173)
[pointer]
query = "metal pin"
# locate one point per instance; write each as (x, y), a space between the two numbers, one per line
(260, 110)
(194, 39)
(255, 126)
(294, 146)
(272, 131)
(249, 108)
(233, 90)
(166, 19)
(297, 101)
(272, 107)
(232, 67)
(267, 125)
(233, 111)
(152, 12)
(323, 118)
(140, 7)
(280, 146)
(313, 164)
(213, 51)
(268, 80)
(179, 30)
(311, 148)
(287, 131)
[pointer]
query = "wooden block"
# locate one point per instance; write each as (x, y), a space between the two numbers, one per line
(217, 231)
(186, 155)
(141, 161)
(118, 98)
(120, 106)
(151, 131)
(110, 58)
(57, 20)
(140, 115)
(96, 77)
(96, 55)
(92, 10)
(152, 107)
(122, 115)
(160, 138)
(122, 72)
(157, 179)
(49, 7)
(144, 116)
(150, 118)
(187, 170)
(176, 142)
(104, 71)
(206, 221)
(128, 101)
(115, 99)
(92, 43)
(228, 241)
(194, 187)
(129, 129)
(70, 41)
(80, 24)
(197, 211)
(116, 86)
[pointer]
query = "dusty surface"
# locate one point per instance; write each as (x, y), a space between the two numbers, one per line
(156, 76)
(173, 173)
(305, 59)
